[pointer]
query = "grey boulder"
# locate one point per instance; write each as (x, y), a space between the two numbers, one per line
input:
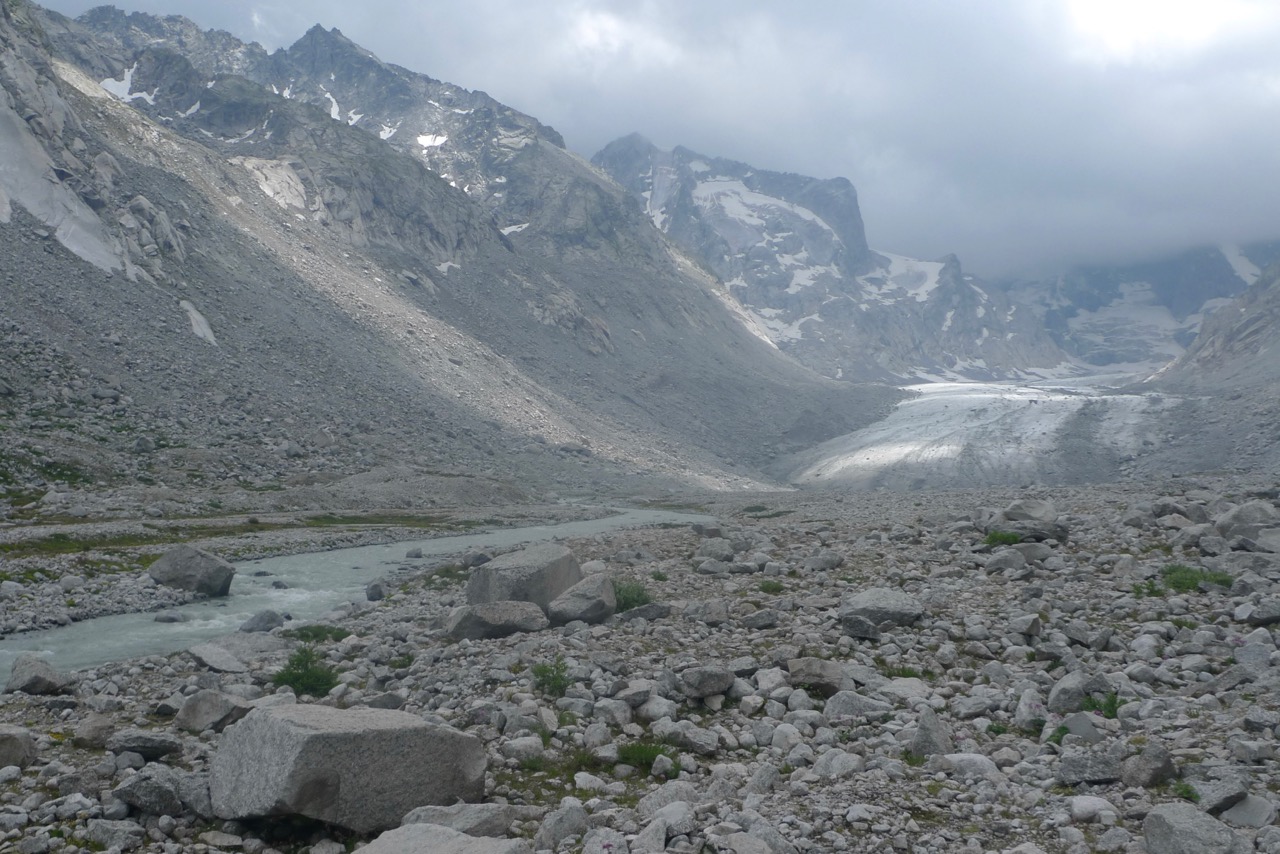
(149, 744)
(495, 620)
(32, 674)
(263, 621)
(153, 790)
(188, 568)
(17, 746)
(209, 709)
(471, 819)
(362, 769)
(535, 574)
(882, 605)
(1183, 829)
(705, 681)
(591, 600)
(433, 839)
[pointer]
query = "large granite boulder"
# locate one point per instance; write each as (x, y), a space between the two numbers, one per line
(209, 709)
(1248, 519)
(361, 769)
(535, 574)
(32, 674)
(188, 568)
(495, 620)
(1182, 829)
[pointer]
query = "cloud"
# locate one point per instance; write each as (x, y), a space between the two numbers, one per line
(1018, 134)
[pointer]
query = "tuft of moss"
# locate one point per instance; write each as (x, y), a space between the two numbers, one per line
(631, 594)
(306, 673)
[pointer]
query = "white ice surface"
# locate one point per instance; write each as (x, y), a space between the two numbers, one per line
(515, 229)
(432, 140)
(123, 88)
(955, 432)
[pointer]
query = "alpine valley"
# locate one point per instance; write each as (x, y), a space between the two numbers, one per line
(680, 518)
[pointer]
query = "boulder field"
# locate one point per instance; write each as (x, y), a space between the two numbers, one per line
(1027, 671)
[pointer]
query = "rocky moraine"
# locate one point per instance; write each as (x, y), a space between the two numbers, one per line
(1000, 671)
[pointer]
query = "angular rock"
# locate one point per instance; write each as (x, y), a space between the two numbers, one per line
(216, 657)
(1152, 767)
(1247, 519)
(188, 568)
(433, 839)
(667, 793)
(882, 605)
(932, 735)
(1031, 510)
(210, 709)
(820, 675)
(149, 744)
(17, 746)
(495, 620)
(153, 790)
(858, 626)
(471, 819)
(535, 574)
(263, 621)
(32, 674)
(124, 835)
(1182, 829)
(1088, 766)
(851, 704)
(560, 824)
(1251, 811)
(705, 680)
(1069, 693)
(591, 600)
(362, 769)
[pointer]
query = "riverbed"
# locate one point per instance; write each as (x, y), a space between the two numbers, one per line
(314, 585)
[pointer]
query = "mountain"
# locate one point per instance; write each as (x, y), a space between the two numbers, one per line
(793, 251)
(1141, 316)
(210, 281)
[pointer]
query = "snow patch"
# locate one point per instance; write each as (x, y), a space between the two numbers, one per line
(747, 206)
(1245, 269)
(335, 112)
(388, 131)
(431, 140)
(698, 167)
(353, 117)
(904, 278)
(946, 324)
(199, 326)
(123, 88)
(515, 229)
(195, 108)
(447, 266)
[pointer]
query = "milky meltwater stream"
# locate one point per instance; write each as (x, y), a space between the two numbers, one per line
(317, 583)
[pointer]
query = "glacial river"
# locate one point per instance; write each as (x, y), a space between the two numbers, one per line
(317, 583)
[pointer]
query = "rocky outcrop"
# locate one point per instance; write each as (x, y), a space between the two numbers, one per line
(362, 769)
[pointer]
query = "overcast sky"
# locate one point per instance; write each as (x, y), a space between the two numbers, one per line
(1018, 134)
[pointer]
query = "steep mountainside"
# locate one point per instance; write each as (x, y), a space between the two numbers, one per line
(206, 281)
(793, 252)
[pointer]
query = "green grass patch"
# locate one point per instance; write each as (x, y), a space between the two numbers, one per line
(659, 575)
(1108, 706)
(551, 677)
(306, 673)
(1184, 579)
(771, 587)
(1002, 538)
(642, 754)
(630, 594)
(317, 633)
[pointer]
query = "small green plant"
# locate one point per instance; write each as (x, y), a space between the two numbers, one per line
(658, 575)
(1108, 706)
(997, 728)
(1150, 587)
(754, 508)
(1184, 579)
(1002, 538)
(551, 677)
(631, 594)
(1057, 735)
(401, 662)
(1186, 791)
(642, 754)
(306, 673)
(1184, 623)
(771, 587)
(914, 760)
(533, 764)
(317, 633)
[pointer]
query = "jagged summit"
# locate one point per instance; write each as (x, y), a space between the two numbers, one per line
(793, 251)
